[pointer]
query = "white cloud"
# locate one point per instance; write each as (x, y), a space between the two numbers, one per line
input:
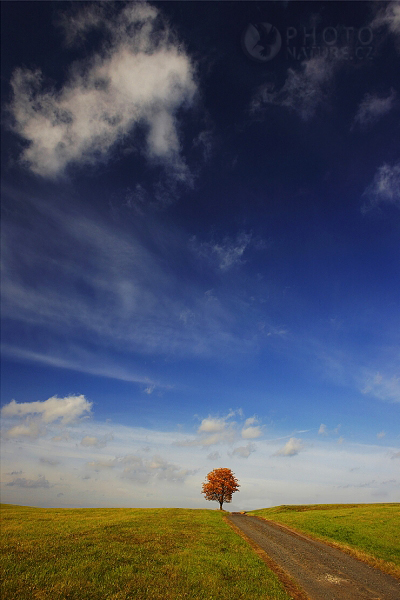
(244, 451)
(64, 410)
(96, 442)
(303, 90)
(225, 254)
(291, 448)
(221, 430)
(373, 107)
(388, 16)
(75, 24)
(122, 474)
(251, 432)
(322, 429)
(139, 79)
(29, 429)
(205, 141)
(33, 417)
(380, 435)
(149, 389)
(213, 424)
(385, 188)
(226, 436)
(383, 387)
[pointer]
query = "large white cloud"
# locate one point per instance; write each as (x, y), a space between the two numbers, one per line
(33, 417)
(65, 410)
(139, 77)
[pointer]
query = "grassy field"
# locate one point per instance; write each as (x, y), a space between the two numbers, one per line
(117, 554)
(370, 531)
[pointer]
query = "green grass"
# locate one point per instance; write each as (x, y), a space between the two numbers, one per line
(82, 554)
(371, 531)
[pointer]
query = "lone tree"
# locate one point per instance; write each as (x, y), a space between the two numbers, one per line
(220, 484)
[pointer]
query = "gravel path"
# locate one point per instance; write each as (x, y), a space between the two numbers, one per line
(323, 572)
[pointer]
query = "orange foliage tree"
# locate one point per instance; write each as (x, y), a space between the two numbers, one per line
(220, 484)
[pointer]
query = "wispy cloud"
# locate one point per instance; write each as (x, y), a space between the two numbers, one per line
(88, 363)
(109, 288)
(225, 254)
(291, 448)
(22, 482)
(373, 108)
(303, 91)
(140, 77)
(388, 16)
(324, 431)
(385, 188)
(135, 468)
(96, 442)
(383, 387)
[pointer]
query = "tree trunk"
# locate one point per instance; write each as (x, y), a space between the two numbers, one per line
(220, 505)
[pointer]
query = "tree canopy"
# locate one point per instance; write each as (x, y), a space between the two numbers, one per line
(220, 484)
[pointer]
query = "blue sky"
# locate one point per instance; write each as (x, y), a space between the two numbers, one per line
(200, 262)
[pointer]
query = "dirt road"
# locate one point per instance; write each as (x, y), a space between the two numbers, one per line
(323, 572)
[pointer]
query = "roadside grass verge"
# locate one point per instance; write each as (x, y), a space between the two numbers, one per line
(368, 531)
(118, 554)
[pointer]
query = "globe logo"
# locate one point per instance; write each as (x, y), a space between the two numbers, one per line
(261, 41)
